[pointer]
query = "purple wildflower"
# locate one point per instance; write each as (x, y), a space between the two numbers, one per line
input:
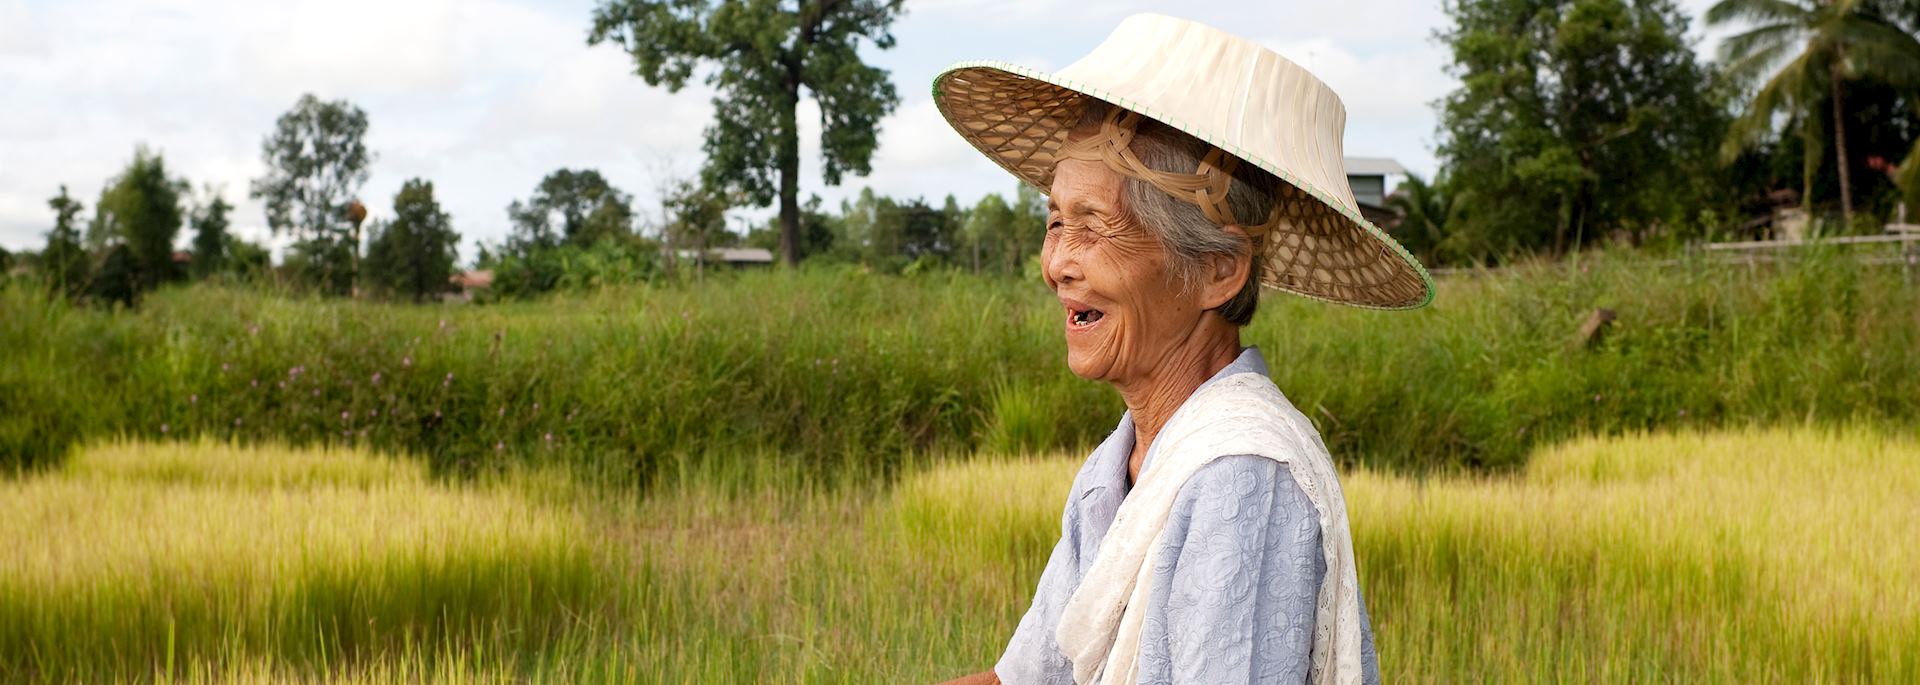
(376, 378)
(163, 429)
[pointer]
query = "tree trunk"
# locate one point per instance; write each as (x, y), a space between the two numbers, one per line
(790, 173)
(1840, 146)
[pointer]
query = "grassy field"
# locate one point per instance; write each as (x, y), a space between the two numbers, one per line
(822, 373)
(1746, 555)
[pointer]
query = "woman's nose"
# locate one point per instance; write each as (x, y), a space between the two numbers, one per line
(1059, 264)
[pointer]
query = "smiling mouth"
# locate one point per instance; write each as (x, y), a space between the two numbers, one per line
(1085, 317)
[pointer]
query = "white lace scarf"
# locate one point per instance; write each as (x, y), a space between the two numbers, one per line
(1100, 627)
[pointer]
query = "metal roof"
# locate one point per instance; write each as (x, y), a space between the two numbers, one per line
(1374, 166)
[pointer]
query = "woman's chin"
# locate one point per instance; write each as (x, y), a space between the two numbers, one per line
(1088, 364)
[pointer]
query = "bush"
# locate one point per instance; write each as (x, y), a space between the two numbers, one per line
(841, 371)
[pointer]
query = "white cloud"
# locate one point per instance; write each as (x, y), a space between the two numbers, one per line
(484, 97)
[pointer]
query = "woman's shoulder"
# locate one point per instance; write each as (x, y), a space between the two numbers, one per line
(1244, 477)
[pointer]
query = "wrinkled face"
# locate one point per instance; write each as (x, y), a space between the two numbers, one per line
(1123, 310)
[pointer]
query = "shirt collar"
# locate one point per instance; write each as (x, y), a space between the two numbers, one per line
(1109, 460)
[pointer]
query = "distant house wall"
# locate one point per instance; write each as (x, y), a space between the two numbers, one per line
(1370, 191)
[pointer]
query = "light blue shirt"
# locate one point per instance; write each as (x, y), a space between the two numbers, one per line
(1235, 575)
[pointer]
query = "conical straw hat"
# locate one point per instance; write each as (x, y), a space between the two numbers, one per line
(1229, 92)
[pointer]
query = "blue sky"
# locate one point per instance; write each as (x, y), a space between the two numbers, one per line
(484, 97)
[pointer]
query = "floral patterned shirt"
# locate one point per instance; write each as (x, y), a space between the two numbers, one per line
(1236, 572)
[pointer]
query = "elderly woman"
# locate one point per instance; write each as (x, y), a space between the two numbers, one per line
(1206, 540)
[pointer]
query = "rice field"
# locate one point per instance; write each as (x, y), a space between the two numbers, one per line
(1745, 555)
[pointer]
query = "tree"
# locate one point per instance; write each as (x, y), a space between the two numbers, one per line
(247, 260)
(413, 254)
(586, 207)
(1003, 235)
(987, 225)
(141, 209)
(117, 278)
(210, 239)
(819, 233)
(925, 233)
(1424, 210)
(65, 259)
(316, 161)
(696, 220)
(1807, 50)
(764, 52)
(1575, 119)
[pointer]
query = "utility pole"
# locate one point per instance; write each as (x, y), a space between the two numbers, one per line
(357, 214)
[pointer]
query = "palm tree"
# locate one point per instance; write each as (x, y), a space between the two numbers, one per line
(1823, 44)
(1424, 210)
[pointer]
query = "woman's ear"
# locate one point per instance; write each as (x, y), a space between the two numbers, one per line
(1227, 273)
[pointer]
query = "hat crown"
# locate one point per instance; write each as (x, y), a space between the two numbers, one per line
(1226, 90)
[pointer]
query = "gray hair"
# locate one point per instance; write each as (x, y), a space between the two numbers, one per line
(1186, 232)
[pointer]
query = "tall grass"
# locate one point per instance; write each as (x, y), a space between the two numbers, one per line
(149, 559)
(1779, 555)
(842, 372)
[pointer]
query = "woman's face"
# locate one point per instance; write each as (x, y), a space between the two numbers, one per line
(1123, 312)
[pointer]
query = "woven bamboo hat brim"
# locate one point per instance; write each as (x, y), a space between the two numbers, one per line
(1229, 92)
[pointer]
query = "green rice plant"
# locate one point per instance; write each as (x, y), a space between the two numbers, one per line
(140, 560)
(1748, 555)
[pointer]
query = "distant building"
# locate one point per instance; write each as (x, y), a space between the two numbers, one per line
(467, 283)
(1368, 177)
(730, 256)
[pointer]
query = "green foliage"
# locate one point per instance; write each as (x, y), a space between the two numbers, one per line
(141, 209)
(763, 52)
(1575, 119)
(1425, 208)
(819, 234)
(1805, 55)
(999, 237)
(320, 265)
(837, 367)
(64, 260)
(117, 277)
(316, 159)
(696, 220)
(890, 234)
(581, 205)
(571, 268)
(248, 261)
(412, 256)
(210, 237)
